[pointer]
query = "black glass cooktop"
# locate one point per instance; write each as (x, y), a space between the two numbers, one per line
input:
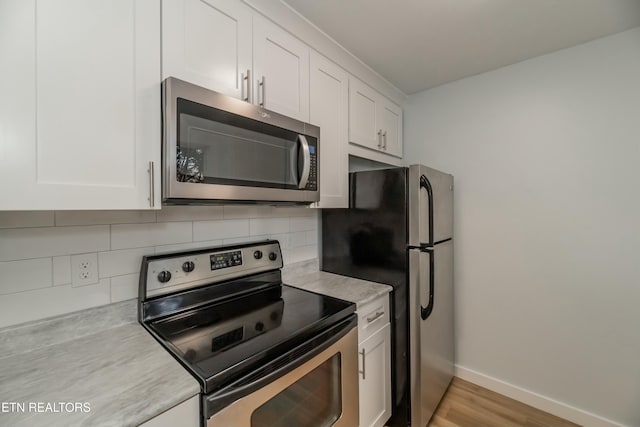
(223, 340)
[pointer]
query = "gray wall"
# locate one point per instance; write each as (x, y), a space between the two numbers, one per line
(546, 157)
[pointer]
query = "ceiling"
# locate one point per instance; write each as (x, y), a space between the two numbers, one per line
(419, 44)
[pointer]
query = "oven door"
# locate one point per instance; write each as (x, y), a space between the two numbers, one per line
(318, 388)
(218, 148)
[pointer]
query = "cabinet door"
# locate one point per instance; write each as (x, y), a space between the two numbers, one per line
(391, 125)
(364, 123)
(186, 414)
(328, 109)
(375, 378)
(80, 105)
(207, 43)
(281, 65)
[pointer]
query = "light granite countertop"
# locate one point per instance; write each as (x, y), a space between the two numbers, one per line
(104, 359)
(101, 357)
(307, 276)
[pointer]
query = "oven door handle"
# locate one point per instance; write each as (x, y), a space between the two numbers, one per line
(284, 364)
(306, 162)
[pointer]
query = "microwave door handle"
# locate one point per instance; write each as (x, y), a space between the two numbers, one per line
(306, 159)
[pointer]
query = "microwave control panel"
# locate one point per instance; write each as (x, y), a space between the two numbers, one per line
(312, 182)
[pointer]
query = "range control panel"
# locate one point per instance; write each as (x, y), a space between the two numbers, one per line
(177, 271)
(226, 260)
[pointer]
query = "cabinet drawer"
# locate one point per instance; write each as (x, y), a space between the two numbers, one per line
(372, 317)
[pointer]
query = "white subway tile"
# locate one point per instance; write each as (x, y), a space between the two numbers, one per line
(40, 303)
(15, 219)
(23, 243)
(18, 276)
(241, 212)
(124, 287)
(143, 235)
(61, 270)
(245, 239)
(304, 223)
(298, 239)
(302, 253)
(283, 211)
(215, 230)
(304, 238)
(103, 217)
(126, 261)
(187, 246)
(282, 238)
(268, 226)
(189, 213)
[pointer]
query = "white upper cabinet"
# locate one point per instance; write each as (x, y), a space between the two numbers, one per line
(80, 104)
(208, 43)
(281, 70)
(224, 46)
(329, 98)
(374, 121)
(391, 126)
(363, 115)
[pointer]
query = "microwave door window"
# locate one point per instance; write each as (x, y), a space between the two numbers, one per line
(213, 152)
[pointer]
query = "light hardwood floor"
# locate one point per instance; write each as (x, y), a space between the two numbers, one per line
(469, 405)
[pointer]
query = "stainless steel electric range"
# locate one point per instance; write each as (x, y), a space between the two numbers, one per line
(265, 354)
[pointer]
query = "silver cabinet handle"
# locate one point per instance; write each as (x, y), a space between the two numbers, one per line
(384, 136)
(380, 138)
(306, 158)
(152, 185)
(363, 364)
(261, 85)
(246, 81)
(378, 315)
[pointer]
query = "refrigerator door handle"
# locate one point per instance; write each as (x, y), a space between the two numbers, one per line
(424, 183)
(425, 312)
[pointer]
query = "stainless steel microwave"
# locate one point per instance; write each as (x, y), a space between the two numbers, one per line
(219, 149)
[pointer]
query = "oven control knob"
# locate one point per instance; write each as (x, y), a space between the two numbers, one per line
(273, 256)
(188, 266)
(164, 276)
(257, 254)
(259, 326)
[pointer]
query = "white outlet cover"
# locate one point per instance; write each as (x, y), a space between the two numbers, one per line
(84, 269)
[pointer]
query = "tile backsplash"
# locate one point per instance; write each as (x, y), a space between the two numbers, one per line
(36, 249)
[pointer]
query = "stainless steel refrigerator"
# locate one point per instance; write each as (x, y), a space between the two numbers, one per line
(398, 230)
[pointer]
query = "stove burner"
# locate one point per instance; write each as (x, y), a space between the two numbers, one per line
(218, 327)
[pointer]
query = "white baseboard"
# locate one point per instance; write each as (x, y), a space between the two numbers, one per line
(536, 400)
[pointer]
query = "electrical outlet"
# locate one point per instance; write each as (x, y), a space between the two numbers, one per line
(84, 269)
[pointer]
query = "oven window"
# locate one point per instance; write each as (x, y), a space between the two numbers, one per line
(218, 147)
(315, 400)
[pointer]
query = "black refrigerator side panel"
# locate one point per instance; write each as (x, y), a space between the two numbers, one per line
(369, 242)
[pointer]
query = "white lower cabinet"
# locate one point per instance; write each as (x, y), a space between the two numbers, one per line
(374, 364)
(186, 414)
